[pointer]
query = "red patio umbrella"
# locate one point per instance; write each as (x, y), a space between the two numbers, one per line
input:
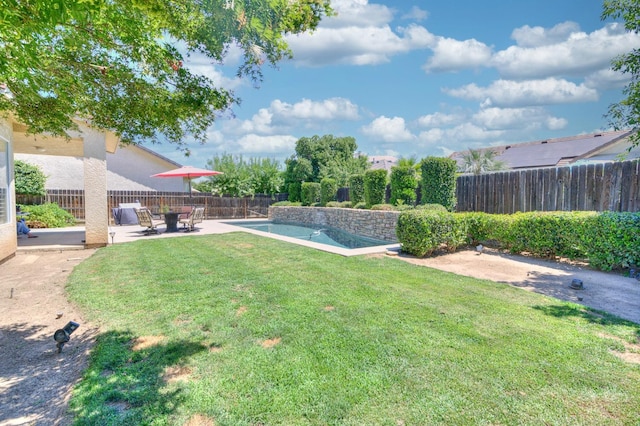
(189, 172)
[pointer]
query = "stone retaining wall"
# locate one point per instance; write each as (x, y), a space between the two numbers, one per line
(368, 223)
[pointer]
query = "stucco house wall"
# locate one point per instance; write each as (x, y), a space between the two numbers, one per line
(8, 235)
(129, 168)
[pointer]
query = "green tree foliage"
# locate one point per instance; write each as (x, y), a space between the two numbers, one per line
(117, 63)
(242, 178)
(356, 189)
(404, 181)
(298, 170)
(321, 157)
(438, 182)
(266, 176)
(626, 113)
(328, 190)
(30, 180)
(375, 186)
(479, 161)
(310, 193)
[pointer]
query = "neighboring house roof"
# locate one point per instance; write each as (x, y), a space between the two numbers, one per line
(560, 151)
(128, 169)
(382, 162)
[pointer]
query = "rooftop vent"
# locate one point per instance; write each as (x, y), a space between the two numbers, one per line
(597, 135)
(544, 142)
(507, 147)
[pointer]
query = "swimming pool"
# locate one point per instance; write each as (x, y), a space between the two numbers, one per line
(315, 233)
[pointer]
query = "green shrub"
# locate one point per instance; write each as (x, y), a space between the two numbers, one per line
(333, 204)
(375, 186)
(483, 227)
(287, 203)
(345, 204)
(360, 205)
(386, 207)
(612, 240)
(545, 234)
(404, 181)
(30, 180)
(48, 215)
(310, 192)
(328, 190)
(437, 207)
(606, 240)
(422, 232)
(356, 189)
(295, 192)
(403, 207)
(439, 181)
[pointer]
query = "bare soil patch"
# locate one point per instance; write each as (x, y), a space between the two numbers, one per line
(36, 380)
(176, 373)
(269, 343)
(144, 342)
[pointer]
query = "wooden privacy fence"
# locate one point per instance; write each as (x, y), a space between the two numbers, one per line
(612, 186)
(216, 207)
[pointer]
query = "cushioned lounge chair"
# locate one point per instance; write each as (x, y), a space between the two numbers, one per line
(145, 218)
(196, 216)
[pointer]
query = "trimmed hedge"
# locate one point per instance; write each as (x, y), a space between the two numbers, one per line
(422, 232)
(404, 181)
(606, 240)
(356, 189)
(375, 186)
(328, 190)
(438, 182)
(310, 193)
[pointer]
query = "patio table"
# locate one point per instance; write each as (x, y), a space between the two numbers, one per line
(171, 219)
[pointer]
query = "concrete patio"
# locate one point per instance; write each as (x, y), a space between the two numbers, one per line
(72, 238)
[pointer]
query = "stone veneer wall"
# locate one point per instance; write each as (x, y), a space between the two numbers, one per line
(368, 223)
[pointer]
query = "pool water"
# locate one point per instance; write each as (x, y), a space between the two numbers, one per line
(318, 234)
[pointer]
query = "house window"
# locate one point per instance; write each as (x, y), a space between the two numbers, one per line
(4, 181)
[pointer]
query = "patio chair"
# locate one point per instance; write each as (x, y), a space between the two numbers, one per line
(196, 216)
(145, 218)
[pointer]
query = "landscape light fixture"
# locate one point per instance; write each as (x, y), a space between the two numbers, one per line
(62, 336)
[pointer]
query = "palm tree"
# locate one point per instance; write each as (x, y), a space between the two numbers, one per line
(478, 161)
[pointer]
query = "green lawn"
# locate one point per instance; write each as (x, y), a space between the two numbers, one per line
(237, 329)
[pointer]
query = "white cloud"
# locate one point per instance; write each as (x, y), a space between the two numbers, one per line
(199, 64)
(328, 109)
(357, 13)
(416, 14)
(360, 34)
(261, 122)
(282, 116)
(607, 79)
(366, 45)
(432, 135)
(506, 93)
(458, 135)
(440, 119)
(517, 118)
(388, 129)
(539, 36)
(577, 54)
(274, 144)
(452, 55)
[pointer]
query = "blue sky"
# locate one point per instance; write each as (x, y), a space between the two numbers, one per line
(426, 78)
